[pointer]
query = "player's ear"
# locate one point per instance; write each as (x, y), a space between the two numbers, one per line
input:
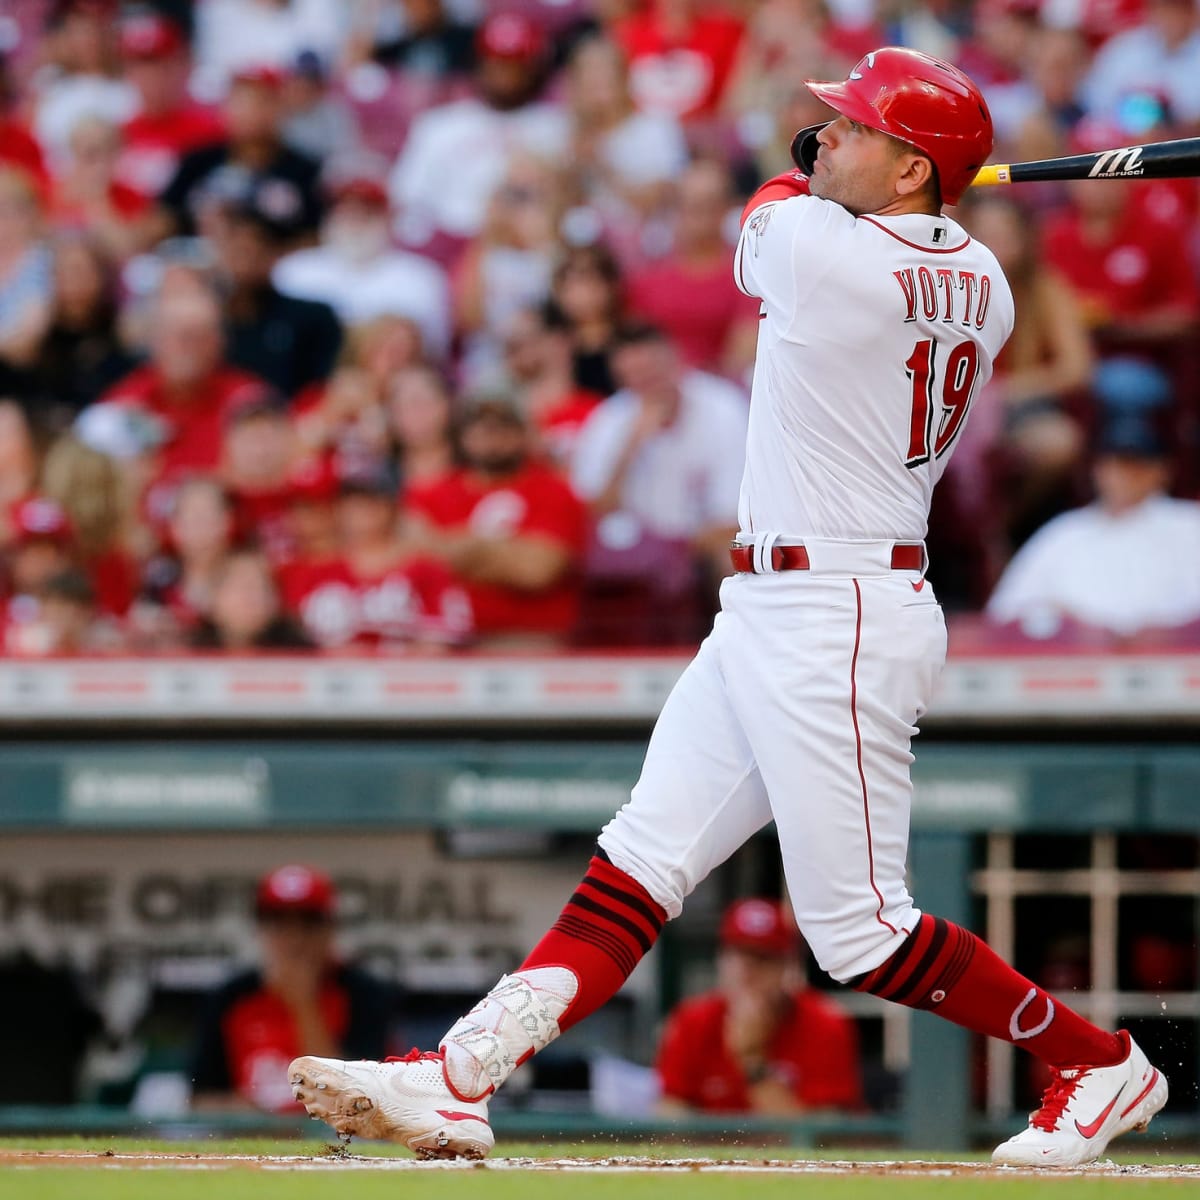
(914, 173)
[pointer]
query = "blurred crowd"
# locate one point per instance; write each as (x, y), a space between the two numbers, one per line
(368, 325)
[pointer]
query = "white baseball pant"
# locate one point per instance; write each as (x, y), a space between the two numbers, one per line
(799, 706)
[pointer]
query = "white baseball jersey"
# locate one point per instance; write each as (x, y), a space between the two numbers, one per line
(877, 332)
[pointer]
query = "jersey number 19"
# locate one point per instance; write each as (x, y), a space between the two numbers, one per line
(958, 384)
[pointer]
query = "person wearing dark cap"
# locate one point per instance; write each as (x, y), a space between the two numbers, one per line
(252, 152)
(1127, 563)
(299, 993)
(761, 1041)
(457, 153)
(290, 342)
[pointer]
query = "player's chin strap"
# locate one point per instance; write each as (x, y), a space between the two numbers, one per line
(763, 544)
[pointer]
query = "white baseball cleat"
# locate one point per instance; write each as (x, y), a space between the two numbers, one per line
(1084, 1108)
(400, 1100)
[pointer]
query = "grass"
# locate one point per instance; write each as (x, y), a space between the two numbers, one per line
(105, 1180)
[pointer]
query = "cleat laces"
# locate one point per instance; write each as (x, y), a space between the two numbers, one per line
(415, 1055)
(1055, 1099)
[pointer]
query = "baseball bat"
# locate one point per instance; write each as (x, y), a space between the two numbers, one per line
(1178, 159)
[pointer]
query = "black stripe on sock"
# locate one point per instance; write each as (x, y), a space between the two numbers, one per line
(613, 947)
(628, 899)
(592, 906)
(895, 964)
(912, 984)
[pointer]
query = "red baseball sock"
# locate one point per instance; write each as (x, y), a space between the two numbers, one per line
(601, 935)
(947, 970)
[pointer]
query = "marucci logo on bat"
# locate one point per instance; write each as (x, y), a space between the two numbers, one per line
(1113, 164)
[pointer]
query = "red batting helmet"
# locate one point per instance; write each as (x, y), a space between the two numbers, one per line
(919, 99)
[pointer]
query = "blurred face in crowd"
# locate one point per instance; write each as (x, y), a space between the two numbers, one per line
(769, 976)
(1174, 19)
(495, 441)
(386, 345)
(85, 42)
(598, 88)
(35, 562)
(366, 518)
(526, 346)
(1058, 61)
(294, 943)
(246, 252)
(422, 15)
(705, 196)
(160, 82)
(258, 450)
(585, 286)
(524, 208)
(648, 368)
(245, 600)
(1001, 226)
(356, 230)
(1123, 481)
(186, 342)
(1105, 200)
(253, 111)
(19, 217)
(419, 408)
(80, 286)
(312, 523)
(201, 523)
(94, 144)
(507, 83)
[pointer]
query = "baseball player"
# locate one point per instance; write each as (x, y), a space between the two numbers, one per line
(880, 322)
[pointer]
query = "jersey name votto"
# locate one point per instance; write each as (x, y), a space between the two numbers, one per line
(948, 294)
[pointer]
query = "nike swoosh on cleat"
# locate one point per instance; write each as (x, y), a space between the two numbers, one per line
(1090, 1130)
(462, 1116)
(1142, 1094)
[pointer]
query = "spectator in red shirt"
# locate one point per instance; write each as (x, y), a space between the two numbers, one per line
(168, 124)
(187, 383)
(300, 995)
(541, 366)
(384, 589)
(510, 527)
(690, 294)
(681, 53)
(762, 1042)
